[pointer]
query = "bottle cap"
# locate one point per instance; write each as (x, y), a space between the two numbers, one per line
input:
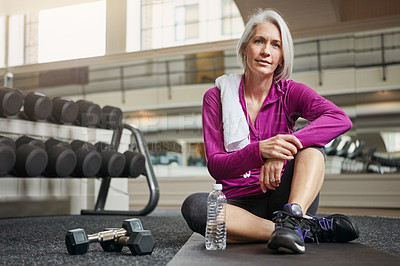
(217, 186)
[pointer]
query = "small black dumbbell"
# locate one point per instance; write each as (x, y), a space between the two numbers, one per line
(37, 106)
(113, 162)
(11, 101)
(88, 159)
(31, 157)
(77, 241)
(135, 164)
(89, 114)
(111, 117)
(7, 155)
(139, 243)
(62, 159)
(65, 111)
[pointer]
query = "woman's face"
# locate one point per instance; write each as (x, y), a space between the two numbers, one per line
(264, 51)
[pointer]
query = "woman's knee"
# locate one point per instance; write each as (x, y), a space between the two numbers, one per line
(194, 211)
(321, 149)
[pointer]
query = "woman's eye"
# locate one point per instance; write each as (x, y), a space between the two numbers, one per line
(257, 41)
(276, 45)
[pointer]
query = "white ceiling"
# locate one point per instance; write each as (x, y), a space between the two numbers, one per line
(324, 17)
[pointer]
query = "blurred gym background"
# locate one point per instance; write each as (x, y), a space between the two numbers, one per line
(154, 59)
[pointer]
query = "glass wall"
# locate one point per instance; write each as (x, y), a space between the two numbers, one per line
(193, 21)
(72, 32)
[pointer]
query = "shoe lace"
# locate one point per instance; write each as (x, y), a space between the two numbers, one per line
(321, 227)
(283, 218)
(313, 228)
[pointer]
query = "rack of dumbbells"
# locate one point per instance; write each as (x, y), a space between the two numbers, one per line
(26, 156)
(357, 160)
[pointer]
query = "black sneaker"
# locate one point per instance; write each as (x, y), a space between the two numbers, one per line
(332, 228)
(290, 230)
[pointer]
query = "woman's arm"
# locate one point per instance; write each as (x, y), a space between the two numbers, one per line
(220, 164)
(327, 120)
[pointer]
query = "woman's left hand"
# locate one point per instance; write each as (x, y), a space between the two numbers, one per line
(270, 174)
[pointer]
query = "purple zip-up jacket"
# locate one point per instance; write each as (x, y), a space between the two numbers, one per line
(285, 103)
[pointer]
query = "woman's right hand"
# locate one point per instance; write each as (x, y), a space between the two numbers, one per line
(280, 147)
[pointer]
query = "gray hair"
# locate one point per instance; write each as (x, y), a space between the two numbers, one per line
(262, 16)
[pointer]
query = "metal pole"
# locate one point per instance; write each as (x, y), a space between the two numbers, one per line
(319, 63)
(121, 71)
(383, 57)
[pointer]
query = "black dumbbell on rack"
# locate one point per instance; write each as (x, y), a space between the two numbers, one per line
(113, 162)
(11, 101)
(111, 117)
(89, 114)
(37, 106)
(64, 111)
(62, 159)
(88, 159)
(135, 164)
(7, 155)
(139, 241)
(31, 157)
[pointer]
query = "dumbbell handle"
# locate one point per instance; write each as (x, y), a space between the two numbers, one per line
(123, 240)
(107, 235)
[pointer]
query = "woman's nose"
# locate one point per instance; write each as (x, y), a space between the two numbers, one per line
(265, 50)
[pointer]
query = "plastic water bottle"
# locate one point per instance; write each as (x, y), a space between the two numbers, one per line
(215, 229)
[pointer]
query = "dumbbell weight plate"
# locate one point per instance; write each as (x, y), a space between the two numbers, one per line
(88, 162)
(77, 242)
(11, 102)
(141, 243)
(8, 157)
(37, 106)
(65, 111)
(135, 164)
(31, 160)
(89, 114)
(62, 161)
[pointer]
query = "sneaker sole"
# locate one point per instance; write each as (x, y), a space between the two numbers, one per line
(285, 244)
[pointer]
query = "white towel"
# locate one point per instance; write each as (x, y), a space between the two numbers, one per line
(235, 124)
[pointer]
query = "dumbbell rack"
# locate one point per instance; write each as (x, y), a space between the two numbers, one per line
(151, 178)
(7, 127)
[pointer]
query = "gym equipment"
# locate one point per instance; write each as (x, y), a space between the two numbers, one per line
(88, 159)
(31, 157)
(89, 114)
(7, 155)
(345, 149)
(65, 111)
(331, 150)
(99, 208)
(135, 164)
(37, 106)
(111, 117)
(139, 241)
(357, 151)
(113, 162)
(11, 101)
(62, 160)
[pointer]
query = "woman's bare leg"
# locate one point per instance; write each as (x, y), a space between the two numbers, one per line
(243, 226)
(308, 177)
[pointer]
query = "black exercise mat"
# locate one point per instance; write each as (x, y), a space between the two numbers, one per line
(194, 253)
(40, 240)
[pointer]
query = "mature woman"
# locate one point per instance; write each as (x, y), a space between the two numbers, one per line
(265, 168)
